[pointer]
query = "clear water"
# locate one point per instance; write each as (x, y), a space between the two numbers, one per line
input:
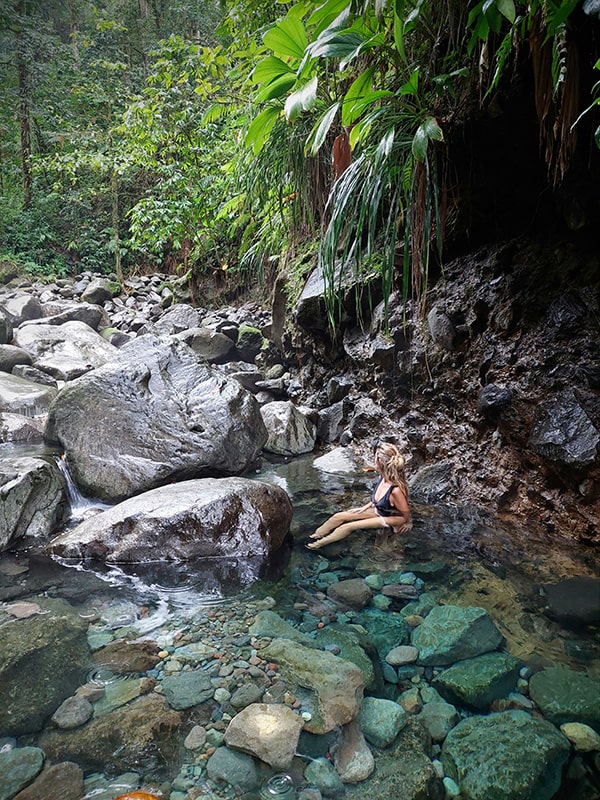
(492, 563)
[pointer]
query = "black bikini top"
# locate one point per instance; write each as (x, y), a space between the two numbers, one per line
(384, 505)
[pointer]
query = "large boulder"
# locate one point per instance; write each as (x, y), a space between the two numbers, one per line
(21, 307)
(33, 499)
(36, 650)
(207, 517)
(65, 351)
(451, 633)
(507, 756)
(563, 433)
(291, 431)
(155, 415)
(476, 682)
(17, 428)
(145, 728)
(331, 688)
(564, 695)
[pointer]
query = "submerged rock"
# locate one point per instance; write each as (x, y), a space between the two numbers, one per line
(510, 755)
(269, 732)
(564, 695)
(451, 633)
(478, 681)
(22, 396)
(234, 517)
(18, 767)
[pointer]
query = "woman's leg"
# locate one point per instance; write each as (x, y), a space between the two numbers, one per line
(343, 530)
(339, 519)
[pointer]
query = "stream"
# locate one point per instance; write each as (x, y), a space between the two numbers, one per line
(468, 559)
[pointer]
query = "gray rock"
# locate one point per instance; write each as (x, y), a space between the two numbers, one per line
(451, 633)
(206, 517)
(353, 592)
(270, 732)
(246, 695)
(155, 415)
(6, 329)
(404, 654)
(493, 400)
(509, 755)
(574, 602)
(381, 720)
(562, 432)
(17, 428)
(34, 499)
(332, 688)
(441, 328)
(10, 356)
(268, 623)
(208, 344)
(321, 773)
(21, 396)
(178, 318)
(92, 315)
(65, 351)
(18, 767)
(349, 646)
(331, 421)
(34, 651)
(430, 484)
(478, 681)
(73, 712)
(62, 781)
(438, 719)
(35, 375)
(187, 689)
(564, 695)
(98, 291)
(20, 308)
(290, 430)
(233, 768)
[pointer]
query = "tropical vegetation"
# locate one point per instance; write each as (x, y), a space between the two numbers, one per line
(238, 140)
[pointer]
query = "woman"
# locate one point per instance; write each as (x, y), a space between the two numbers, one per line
(388, 507)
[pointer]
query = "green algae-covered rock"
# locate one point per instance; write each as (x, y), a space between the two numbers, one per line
(476, 682)
(18, 767)
(386, 630)
(564, 695)
(506, 756)
(350, 649)
(452, 633)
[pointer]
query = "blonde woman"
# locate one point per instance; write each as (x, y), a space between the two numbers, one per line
(388, 507)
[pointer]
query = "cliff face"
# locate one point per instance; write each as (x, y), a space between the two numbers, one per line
(493, 388)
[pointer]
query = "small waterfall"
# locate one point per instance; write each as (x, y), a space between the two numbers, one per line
(78, 504)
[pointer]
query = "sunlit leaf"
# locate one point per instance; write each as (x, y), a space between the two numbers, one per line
(260, 128)
(321, 129)
(288, 37)
(269, 69)
(412, 84)
(507, 9)
(301, 100)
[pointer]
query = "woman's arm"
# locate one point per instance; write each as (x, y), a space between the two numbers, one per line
(400, 503)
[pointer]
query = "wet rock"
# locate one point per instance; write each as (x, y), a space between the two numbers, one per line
(352, 757)
(64, 351)
(11, 356)
(17, 428)
(430, 484)
(123, 657)
(321, 773)
(405, 654)
(353, 592)
(564, 695)
(187, 689)
(370, 348)
(99, 290)
(438, 718)
(62, 781)
(348, 646)
(381, 720)
(386, 629)
(34, 651)
(574, 602)
(250, 342)
(333, 687)
(176, 418)
(208, 344)
(441, 328)
(493, 400)
(268, 623)
(21, 307)
(290, 430)
(246, 695)
(145, 731)
(72, 713)
(478, 681)
(338, 388)
(92, 315)
(33, 497)
(451, 633)
(398, 591)
(583, 738)
(562, 432)
(178, 318)
(18, 767)
(509, 755)
(270, 732)
(234, 517)
(233, 768)
(6, 330)
(22, 396)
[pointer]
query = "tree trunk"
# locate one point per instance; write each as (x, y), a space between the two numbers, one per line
(114, 191)
(24, 108)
